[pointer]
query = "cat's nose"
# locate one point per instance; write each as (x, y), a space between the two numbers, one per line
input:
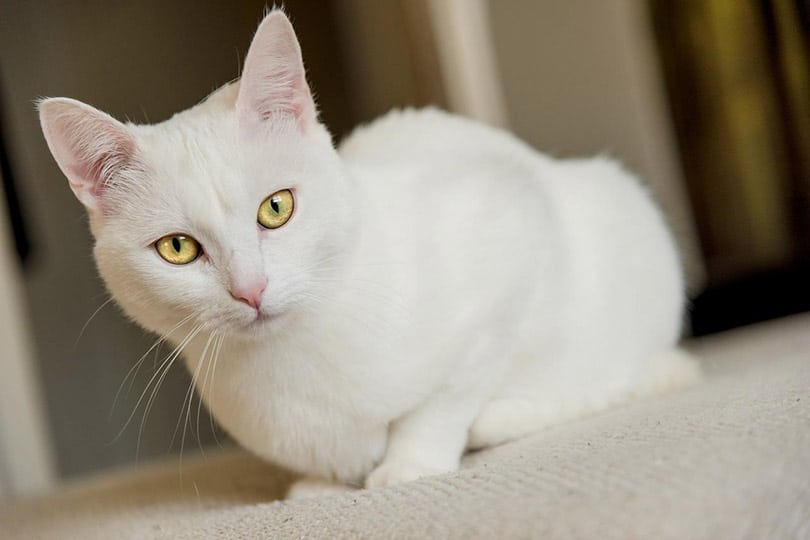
(250, 293)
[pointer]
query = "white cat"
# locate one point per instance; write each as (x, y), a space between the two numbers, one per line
(433, 285)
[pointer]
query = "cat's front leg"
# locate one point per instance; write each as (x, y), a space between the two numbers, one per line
(430, 439)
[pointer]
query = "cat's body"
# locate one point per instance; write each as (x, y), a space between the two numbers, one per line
(440, 285)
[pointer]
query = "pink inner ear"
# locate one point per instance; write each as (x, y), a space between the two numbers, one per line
(279, 89)
(100, 169)
(288, 101)
(274, 81)
(91, 147)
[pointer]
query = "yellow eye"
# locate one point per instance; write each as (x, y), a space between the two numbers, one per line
(178, 248)
(276, 209)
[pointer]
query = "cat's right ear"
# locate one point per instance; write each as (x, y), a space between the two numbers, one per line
(91, 147)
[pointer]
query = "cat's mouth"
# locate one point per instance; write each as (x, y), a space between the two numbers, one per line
(261, 320)
(251, 323)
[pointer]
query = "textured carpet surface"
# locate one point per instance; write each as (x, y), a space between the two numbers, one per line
(726, 458)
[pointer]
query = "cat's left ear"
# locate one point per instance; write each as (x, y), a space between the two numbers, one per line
(273, 80)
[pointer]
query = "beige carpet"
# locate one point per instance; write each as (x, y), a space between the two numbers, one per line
(728, 458)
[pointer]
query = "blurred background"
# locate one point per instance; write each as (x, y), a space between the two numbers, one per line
(709, 101)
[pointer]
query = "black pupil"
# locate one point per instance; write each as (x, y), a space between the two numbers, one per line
(274, 205)
(176, 244)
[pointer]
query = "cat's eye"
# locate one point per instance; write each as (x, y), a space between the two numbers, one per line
(276, 209)
(178, 248)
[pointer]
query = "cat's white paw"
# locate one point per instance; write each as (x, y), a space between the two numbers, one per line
(502, 420)
(397, 472)
(307, 488)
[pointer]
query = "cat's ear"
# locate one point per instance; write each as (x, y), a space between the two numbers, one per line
(273, 80)
(92, 148)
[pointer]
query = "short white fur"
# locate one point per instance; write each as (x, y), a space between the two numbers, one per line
(440, 285)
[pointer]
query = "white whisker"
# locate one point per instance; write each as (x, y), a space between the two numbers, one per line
(217, 350)
(174, 356)
(189, 390)
(167, 362)
(190, 398)
(86, 324)
(136, 366)
(202, 389)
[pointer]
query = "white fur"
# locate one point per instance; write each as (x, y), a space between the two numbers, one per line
(440, 285)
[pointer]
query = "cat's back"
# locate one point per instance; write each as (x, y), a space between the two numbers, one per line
(584, 213)
(429, 136)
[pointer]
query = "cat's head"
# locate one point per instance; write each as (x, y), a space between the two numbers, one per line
(229, 213)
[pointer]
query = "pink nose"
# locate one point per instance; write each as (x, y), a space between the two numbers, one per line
(250, 293)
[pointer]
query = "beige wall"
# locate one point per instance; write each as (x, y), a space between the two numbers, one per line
(581, 77)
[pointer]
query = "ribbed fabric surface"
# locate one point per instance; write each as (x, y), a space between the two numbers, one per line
(727, 458)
